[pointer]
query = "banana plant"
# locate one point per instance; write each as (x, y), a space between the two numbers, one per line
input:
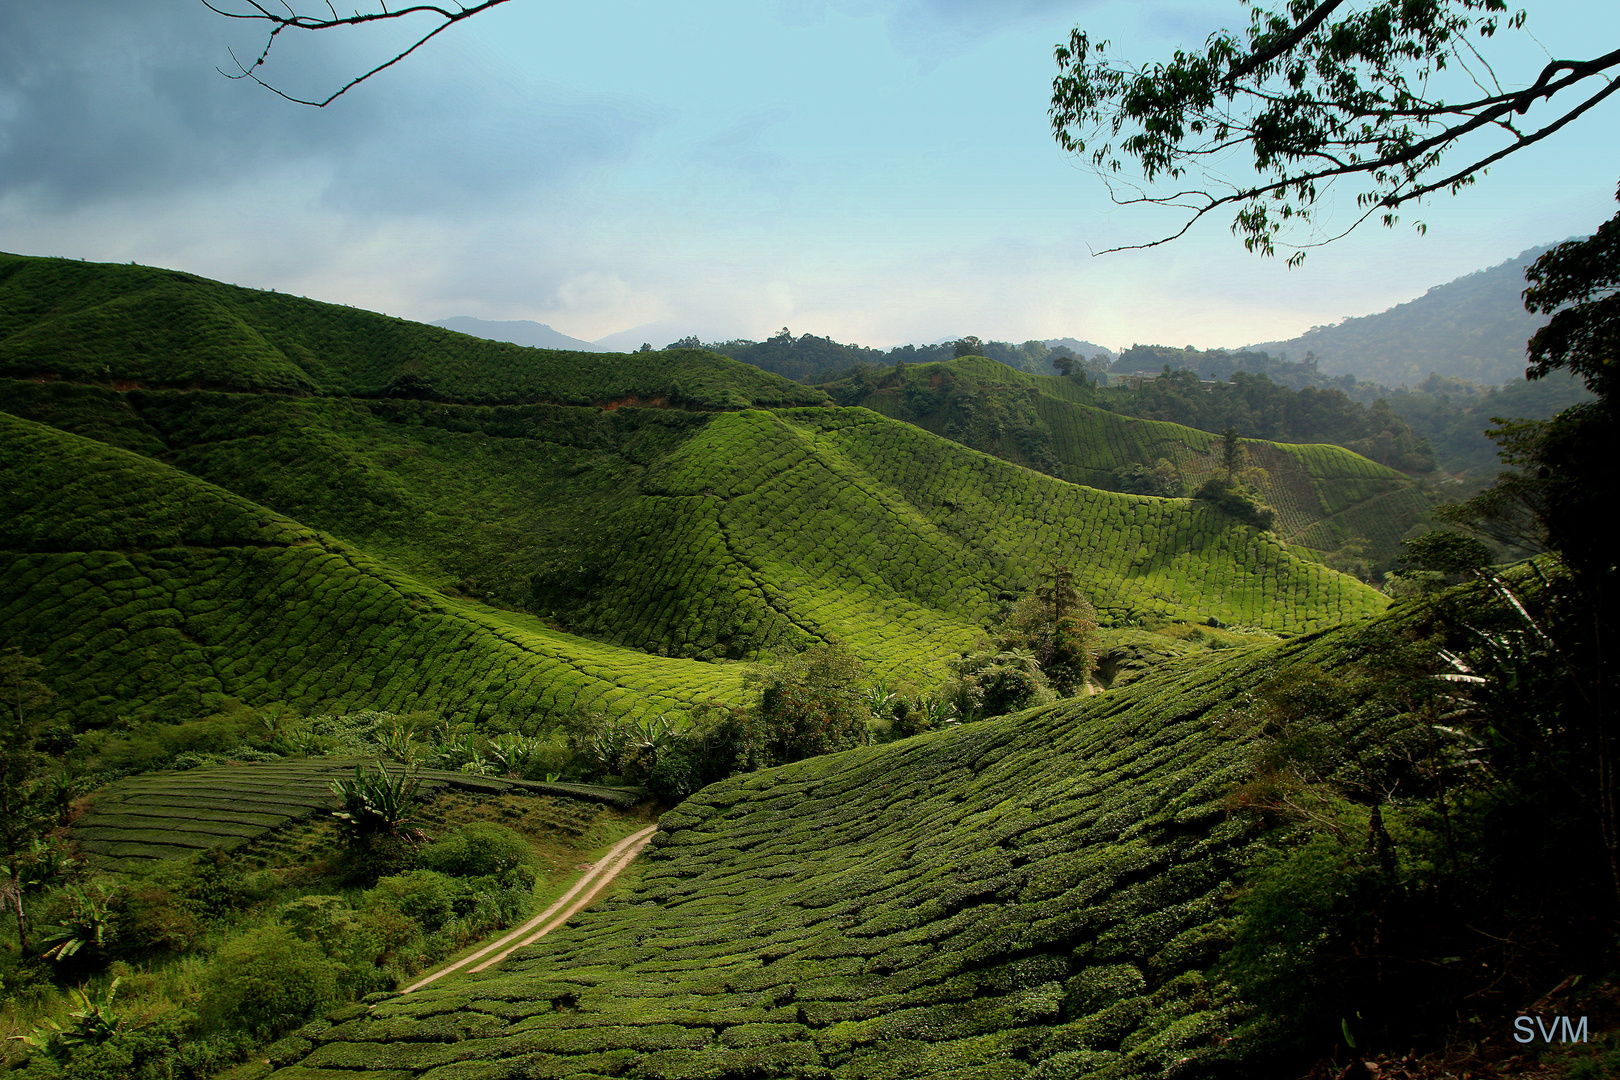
(91, 1024)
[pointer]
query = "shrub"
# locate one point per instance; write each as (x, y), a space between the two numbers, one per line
(267, 982)
(425, 896)
(479, 849)
(1236, 500)
(810, 704)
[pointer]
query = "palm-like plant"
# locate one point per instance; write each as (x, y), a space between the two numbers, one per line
(378, 803)
(399, 742)
(513, 753)
(92, 1023)
(88, 922)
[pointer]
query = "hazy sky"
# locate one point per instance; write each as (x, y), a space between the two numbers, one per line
(878, 171)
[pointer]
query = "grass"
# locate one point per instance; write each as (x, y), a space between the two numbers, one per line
(1035, 896)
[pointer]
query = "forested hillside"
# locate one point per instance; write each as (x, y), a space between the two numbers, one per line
(1472, 328)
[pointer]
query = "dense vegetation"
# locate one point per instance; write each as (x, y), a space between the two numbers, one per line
(152, 595)
(135, 326)
(1244, 856)
(609, 544)
(1044, 895)
(811, 359)
(187, 967)
(178, 814)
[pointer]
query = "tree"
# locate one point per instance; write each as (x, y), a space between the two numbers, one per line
(1057, 625)
(25, 809)
(811, 704)
(1313, 94)
(1578, 284)
(1558, 489)
(1232, 452)
(970, 346)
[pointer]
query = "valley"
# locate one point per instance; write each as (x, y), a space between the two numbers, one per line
(332, 639)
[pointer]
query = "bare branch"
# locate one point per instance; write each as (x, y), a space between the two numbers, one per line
(293, 21)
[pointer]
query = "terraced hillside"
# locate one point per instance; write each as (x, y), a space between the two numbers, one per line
(509, 563)
(751, 533)
(177, 814)
(1323, 494)
(1035, 896)
(149, 593)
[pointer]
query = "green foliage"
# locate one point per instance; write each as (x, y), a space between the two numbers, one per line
(180, 814)
(1323, 494)
(133, 325)
(267, 982)
(1245, 397)
(1235, 499)
(424, 896)
(998, 895)
(810, 704)
(996, 679)
(1312, 97)
(377, 803)
(1578, 284)
(25, 805)
(482, 849)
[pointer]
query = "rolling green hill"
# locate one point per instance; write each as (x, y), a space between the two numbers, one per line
(274, 536)
(1036, 896)
(1323, 494)
(137, 326)
(150, 594)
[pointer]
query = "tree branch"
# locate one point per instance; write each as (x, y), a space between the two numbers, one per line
(295, 21)
(1255, 61)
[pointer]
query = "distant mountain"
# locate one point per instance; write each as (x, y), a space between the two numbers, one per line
(657, 334)
(1472, 328)
(1083, 349)
(518, 332)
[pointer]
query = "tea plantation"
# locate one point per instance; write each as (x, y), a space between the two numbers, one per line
(150, 594)
(1323, 494)
(132, 326)
(177, 814)
(212, 493)
(1036, 896)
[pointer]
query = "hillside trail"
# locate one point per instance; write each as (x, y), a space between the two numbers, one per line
(565, 907)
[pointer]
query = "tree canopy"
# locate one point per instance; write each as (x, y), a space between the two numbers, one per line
(1314, 94)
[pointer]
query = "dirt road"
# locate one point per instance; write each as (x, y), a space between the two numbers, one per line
(564, 908)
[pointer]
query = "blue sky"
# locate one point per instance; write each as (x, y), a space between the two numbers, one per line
(878, 171)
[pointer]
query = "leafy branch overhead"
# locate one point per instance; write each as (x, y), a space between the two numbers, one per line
(1318, 93)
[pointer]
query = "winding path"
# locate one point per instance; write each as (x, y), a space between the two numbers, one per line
(562, 909)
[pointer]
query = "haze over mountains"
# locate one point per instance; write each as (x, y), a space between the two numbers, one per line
(1473, 328)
